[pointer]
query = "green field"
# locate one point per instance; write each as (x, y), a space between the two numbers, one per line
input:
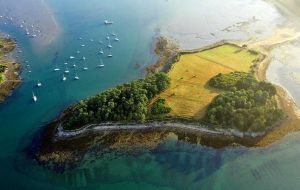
(189, 94)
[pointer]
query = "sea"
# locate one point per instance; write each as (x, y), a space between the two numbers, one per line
(82, 34)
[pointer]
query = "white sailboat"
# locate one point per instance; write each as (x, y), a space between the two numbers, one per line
(107, 22)
(117, 39)
(109, 44)
(72, 57)
(110, 54)
(64, 78)
(34, 98)
(67, 70)
(39, 84)
(85, 67)
(76, 77)
(101, 64)
(101, 51)
(56, 68)
(83, 58)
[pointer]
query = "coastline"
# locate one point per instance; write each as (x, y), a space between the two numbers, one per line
(61, 146)
(286, 103)
(11, 76)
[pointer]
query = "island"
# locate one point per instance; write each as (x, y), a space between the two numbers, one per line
(216, 96)
(9, 69)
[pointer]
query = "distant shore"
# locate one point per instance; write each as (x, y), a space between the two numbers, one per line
(11, 68)
(34, 15)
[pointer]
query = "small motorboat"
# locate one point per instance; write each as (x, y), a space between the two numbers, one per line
(117, 39)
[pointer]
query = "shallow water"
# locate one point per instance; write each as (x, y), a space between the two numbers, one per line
(174, 164)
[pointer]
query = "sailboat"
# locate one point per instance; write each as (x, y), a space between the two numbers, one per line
(85, 67)
(108, 22)
(67, 70)
(110, 54)
(83, 58)
(76, 77)
(72, 57)
(34, 98)
(116, 39)
(39, 84)
(101, 64)
(109, 44)
(64, 78)
(101, 51)
(113, 34)
(56, 68)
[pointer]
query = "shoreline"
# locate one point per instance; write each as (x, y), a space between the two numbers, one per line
(59, 146)
(169, 51)
(11, 76)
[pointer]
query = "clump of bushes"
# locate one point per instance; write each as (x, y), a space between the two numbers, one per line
(246, 104)
(159, 107)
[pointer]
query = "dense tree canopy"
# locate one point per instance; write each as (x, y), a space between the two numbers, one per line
(246, 104)
(125, 103)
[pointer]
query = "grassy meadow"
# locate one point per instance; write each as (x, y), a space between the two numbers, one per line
(189, 94)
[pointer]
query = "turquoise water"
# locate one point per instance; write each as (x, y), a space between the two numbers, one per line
(173, 164)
